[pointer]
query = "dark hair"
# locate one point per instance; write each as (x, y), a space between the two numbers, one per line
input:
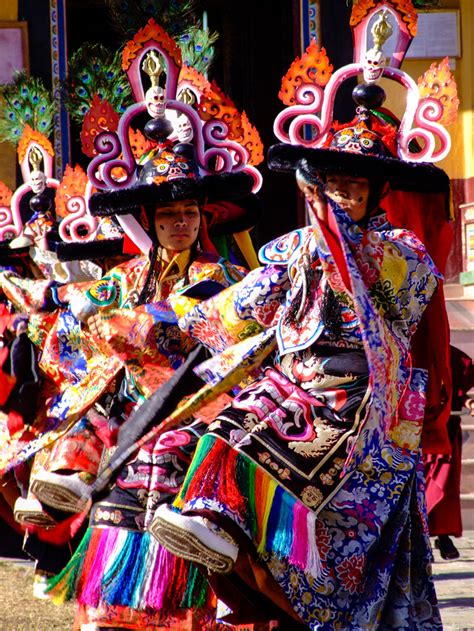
(376, 194)
(331, 311)
(330, 308)
(149, 288)
(311, 279)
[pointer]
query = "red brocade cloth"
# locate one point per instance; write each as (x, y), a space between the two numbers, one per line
(427, 215)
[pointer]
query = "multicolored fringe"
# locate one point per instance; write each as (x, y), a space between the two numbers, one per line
(130, 569)
(277, 521)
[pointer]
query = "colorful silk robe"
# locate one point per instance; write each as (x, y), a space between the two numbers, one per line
(347, 543)
(149, 342)
(145, 340)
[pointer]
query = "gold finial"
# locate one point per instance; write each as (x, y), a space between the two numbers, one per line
(187, 96)
(35, 158)
(152, 66)
(381, 30)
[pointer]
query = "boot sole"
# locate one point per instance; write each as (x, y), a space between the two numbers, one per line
(186, 545)
(58, 496)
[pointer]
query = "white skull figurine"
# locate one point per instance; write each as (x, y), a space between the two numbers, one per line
(155, 101)
(184, 129)
(374, 63)
(37, 181)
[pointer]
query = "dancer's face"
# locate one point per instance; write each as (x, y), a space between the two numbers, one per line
(177, 224)
(349, 192)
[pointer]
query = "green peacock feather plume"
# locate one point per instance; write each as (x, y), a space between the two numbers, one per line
(426, 4)
(25, 101)
(93, 69)
(197, 48)
(128, 16)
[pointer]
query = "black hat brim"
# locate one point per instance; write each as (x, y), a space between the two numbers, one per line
(220, 187)
(83, 250)
(404, 176)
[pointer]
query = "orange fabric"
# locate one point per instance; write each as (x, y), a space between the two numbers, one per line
(63, 532)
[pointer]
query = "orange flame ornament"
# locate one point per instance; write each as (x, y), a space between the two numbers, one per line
(5, 195)
(313, 67)
(150, 32)
(251, 141)
(439, 83)
(29, 136)
(405, 8)
(215, 104)
(101, 117)
(73, 184)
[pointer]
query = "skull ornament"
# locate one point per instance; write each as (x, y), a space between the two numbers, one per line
(373, 66)
(184, 129)
(155, 101)
(37, 181)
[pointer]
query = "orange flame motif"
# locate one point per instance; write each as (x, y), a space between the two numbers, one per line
(251, 141)
(439, 83)
(215, 104)
(28, 136)
(100, 117)
(312, 67)
(360, 8)
(139, 144)
(5, 195)
(151, 31)
(195, 78)
(73, 183)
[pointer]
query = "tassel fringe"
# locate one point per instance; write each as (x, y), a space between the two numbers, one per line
(63, 586)
(277, 522)
(129, 569)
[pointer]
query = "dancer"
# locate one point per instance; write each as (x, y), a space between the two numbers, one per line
(122, 578)
(306, 494)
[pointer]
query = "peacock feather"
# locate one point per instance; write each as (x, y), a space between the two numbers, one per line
(426, 4)
(25, 101)
(197, 48)
(94, 70)
(128, 16)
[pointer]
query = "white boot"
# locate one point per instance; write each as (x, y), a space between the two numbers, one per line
(193, 538)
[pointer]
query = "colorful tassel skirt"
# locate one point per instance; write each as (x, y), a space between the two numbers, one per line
(118, 570)
(350, 550)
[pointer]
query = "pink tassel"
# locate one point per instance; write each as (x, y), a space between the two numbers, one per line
(160, 573)
(91, 591)
(299, 549)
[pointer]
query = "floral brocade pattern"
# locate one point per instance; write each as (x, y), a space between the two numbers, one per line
(146, 340)
(370, 534)
(375, 555)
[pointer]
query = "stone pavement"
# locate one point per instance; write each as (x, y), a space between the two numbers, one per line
(455, 585)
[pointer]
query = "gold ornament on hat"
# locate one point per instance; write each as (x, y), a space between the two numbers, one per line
(153, 68)
(381, 30)
(35, 158)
